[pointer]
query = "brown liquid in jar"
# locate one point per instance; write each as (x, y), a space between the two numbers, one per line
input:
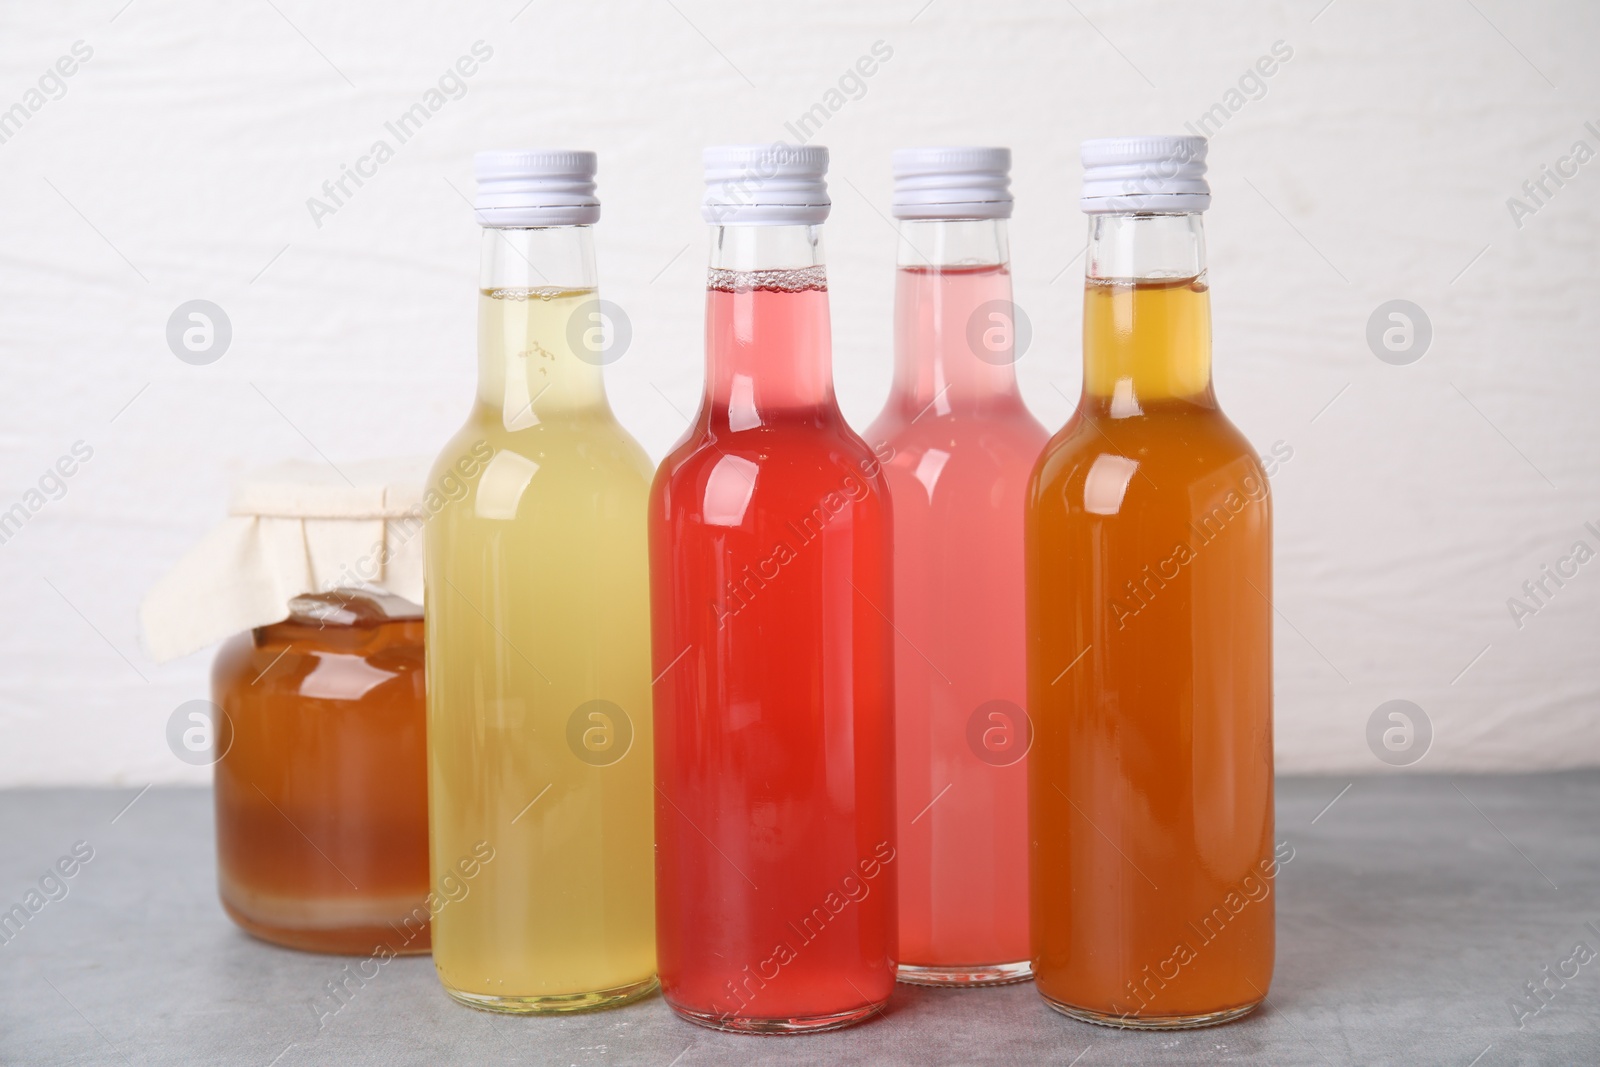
(321, 792)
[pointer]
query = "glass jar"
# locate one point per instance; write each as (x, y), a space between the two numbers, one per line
(321, 789)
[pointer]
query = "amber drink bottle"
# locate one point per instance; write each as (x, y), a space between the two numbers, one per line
(1149, 573)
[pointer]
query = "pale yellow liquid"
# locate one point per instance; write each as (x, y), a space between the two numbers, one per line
(537, 603)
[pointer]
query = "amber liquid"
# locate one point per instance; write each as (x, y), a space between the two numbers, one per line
(1149, 679)
(321, 793)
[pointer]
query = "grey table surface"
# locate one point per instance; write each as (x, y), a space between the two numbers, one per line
(1413, 913)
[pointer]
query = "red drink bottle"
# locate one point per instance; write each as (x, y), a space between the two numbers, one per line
(963, 448)
(770, 594)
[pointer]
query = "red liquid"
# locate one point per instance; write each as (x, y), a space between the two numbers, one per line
(770, 583)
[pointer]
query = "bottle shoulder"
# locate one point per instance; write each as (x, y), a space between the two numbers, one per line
(996, 443)
(1194, 451)
(903, 418)
(589, 442)
(798, 442)
(771, 461)
(493, 472)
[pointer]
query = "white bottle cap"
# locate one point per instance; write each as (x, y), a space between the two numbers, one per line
(1144, 174)
(952, 183)
(535, 187)
(766, 185)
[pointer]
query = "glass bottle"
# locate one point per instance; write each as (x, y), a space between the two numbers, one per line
(321, 788)
(961, 445)
(1149, 577)
(769, 540)
(538, 629)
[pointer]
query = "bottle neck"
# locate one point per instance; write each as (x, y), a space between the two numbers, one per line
(1146, 314)
(768, 348)
(954, 337)
(539, 346)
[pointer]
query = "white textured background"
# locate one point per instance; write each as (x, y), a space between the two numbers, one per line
(1376, 166)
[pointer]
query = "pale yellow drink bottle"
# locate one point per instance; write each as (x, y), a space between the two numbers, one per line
(538, 630)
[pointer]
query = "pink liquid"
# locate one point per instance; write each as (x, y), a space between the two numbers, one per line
(775, 857)
(963, 448)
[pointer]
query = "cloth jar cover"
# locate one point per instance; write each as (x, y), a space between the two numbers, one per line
(292, 528)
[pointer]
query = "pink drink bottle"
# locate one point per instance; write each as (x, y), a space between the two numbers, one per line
(962, 445)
